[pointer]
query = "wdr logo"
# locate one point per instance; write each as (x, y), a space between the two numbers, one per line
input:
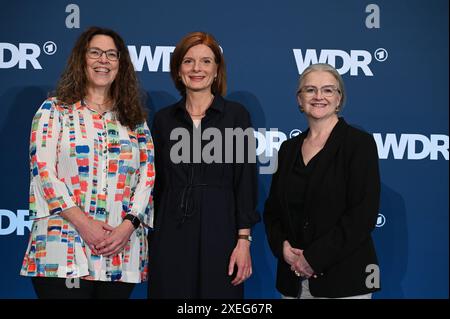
(10, 222)
(11, 55)
(353, 61)
(414, 146)
(159, 57)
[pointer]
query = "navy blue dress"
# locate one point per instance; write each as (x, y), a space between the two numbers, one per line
(199, 208)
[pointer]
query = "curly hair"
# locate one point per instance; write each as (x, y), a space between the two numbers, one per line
(124, 91)
(219, 86)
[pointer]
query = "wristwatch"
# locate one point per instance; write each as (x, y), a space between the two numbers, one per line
(247, 237)
(133, 219)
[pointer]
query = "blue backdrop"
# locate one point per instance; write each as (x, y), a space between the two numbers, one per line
(393, 56)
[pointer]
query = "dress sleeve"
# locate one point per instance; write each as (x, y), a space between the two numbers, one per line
(142, 200)
(245, 179)
(358, 221)
(49, 195)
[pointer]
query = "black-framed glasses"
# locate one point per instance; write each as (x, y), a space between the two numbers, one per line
(96, 53)
(326, 91)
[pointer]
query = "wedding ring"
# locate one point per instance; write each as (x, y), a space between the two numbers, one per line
(297, 273)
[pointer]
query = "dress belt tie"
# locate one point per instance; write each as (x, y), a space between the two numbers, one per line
(186, 199)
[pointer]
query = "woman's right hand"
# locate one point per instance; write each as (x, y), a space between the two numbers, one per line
(91, 231)
(290, 254)
(94, 232)
(299, 265)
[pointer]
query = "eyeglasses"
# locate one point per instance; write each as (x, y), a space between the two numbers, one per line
(96, 53)
(326, 91)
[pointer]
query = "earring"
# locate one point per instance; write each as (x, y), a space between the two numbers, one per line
(301, 109)
(337, 109)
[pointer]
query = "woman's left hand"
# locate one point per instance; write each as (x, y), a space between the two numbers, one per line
(116, 240)
(301, 267)
(242, 260)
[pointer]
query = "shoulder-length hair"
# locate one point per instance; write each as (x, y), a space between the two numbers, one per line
(324, 67)
(219, 85)
(124, 91)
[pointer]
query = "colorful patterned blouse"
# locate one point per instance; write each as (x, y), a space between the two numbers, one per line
(79, 157)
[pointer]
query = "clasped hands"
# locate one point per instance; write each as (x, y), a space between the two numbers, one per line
(294, 257)
(104, 239)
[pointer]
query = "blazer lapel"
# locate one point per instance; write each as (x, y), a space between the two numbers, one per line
(291, 154)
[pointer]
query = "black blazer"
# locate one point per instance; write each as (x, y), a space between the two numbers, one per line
(341, 206)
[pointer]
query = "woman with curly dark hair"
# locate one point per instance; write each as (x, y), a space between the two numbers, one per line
(123, 93)
(91, 163)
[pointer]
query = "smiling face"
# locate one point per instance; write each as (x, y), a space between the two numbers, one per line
(198, 69)
(101, 72)
(317, 105)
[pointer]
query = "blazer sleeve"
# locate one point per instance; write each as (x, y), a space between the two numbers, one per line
(49, 195)
(359, 219)
(142, 200)
(275, 231)
(245, 178)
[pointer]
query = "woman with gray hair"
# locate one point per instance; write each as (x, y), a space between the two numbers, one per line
(324, 199)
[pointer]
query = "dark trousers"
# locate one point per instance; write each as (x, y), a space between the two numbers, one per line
(75, 288)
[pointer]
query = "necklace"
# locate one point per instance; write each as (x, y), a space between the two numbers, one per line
(203, 113)
(99, 105)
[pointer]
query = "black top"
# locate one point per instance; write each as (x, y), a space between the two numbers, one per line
(296, 193)
(199, 207)
(341, 207)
